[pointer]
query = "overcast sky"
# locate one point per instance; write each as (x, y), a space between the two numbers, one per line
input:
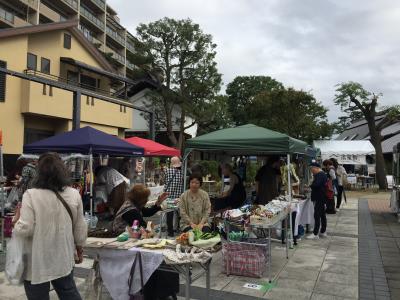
(309, 45)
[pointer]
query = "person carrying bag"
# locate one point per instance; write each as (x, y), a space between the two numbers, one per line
(51, 222)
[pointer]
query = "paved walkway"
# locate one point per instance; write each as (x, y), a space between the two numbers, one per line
(359, 260)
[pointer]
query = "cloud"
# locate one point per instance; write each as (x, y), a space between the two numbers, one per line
(309, 45)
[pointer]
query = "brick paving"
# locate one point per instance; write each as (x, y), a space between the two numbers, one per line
(387, 232)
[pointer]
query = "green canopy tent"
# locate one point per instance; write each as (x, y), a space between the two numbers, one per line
(247, 140)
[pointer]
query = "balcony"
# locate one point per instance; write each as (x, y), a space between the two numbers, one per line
(72, 3)
(118, 57)
(100, 3)
(130, 47)
(115, 36)
(92, 18)
(49, 13)
(89, 35)
(7, 16)
(130, 65)
(30, 3)
(38, 100)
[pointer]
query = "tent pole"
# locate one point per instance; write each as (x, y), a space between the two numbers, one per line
(185, 163)
(91, 183)
(2, 199)
(290, 235)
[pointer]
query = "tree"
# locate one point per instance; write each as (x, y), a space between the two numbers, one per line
(182, 57)
(352, 97)
(296, 113)
(215, 115)
(241, 92)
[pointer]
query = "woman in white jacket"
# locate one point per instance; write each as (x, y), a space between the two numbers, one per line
(52, 223)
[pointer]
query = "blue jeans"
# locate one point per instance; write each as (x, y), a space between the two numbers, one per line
(65, 288)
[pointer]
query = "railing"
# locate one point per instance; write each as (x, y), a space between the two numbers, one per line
(71, 82)
(88, 34)
(92, 17)
(118, 57)
(130, 65)
(72, 3)
(130, 47)
(100, 3)
(115, 36)
(5, 15)
(32, 3)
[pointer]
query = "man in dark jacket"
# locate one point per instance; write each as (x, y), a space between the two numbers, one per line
(318, 196)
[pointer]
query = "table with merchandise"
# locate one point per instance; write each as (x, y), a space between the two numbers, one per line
(255, 224)
(115, 259)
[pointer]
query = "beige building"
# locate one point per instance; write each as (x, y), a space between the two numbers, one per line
(97, 21)
(30, 111)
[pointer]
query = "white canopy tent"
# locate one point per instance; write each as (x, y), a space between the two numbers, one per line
(346, 152)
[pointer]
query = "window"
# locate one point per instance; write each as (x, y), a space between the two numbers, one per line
(34, 135)
(32, 61)
(73, 77)
(67, 41)
(45, 65)
(88, 82)
(3, 77)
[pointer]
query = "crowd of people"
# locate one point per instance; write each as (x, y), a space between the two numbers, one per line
(51, 215)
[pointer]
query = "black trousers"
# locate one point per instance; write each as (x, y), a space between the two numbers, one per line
(170, 223)
(339, 195)
(65, 288)
(319, 217)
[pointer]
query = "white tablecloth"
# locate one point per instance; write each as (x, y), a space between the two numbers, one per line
(115, 267)
(305, 214)
(155, 191)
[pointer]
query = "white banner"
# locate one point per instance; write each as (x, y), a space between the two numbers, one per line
(347, 159)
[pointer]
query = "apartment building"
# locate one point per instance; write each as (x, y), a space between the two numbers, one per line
(30, 111)
(97, 21)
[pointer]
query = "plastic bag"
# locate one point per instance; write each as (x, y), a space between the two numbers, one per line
(15, 264)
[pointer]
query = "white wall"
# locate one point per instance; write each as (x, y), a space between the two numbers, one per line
(140, 123)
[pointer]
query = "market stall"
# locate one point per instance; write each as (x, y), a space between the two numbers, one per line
(88, 141)
(250, 140)
(353, 155)
(117, 262)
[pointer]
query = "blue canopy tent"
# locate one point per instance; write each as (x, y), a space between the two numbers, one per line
(86, 140)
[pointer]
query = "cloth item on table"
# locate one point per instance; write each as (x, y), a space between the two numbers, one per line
(179, 257)
(115, 266)
(305, 214)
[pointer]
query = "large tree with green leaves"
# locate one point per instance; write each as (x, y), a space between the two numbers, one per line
(353, 98)
(242, 91)
(182, 57)
(296, 113)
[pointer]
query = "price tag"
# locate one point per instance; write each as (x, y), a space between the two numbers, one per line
(253, 286)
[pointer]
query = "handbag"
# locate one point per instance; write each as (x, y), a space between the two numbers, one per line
(139, 295)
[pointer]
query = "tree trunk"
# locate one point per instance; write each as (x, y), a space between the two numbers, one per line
(376, 140)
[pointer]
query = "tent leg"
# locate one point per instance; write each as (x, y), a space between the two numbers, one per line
(91, 184)
(290, 233)
(2, 199)
(185, 165)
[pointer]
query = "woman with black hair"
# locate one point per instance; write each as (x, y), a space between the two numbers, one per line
(195, 206)
(51, 221)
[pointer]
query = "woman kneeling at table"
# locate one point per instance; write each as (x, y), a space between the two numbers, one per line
(195, 206)
(134, 208)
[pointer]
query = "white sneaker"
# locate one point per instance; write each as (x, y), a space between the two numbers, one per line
(337, 209)
(323, 235)
(312, 237)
